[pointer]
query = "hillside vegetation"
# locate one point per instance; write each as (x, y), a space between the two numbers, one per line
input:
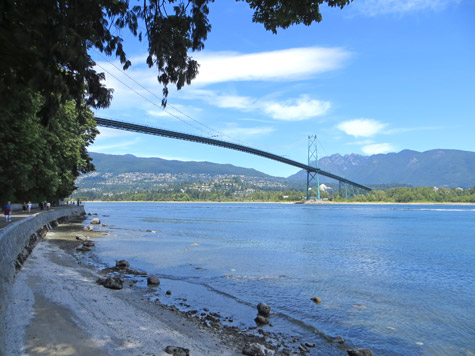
(130, 178)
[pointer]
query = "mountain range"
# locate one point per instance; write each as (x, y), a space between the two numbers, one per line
(440, 167)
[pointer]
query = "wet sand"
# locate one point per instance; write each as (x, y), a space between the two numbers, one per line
(57, 308)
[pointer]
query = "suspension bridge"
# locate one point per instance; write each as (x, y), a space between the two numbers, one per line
(312, 171)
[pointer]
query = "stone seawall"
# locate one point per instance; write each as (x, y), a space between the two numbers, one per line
(16, 242)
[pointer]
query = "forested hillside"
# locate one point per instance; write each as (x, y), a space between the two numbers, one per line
(440, 168)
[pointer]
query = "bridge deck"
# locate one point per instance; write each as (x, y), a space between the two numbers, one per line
(210, 141)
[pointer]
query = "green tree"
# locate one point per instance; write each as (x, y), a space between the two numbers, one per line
(42, 161)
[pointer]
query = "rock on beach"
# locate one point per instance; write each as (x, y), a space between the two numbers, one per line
(83, 248)
(153, 280)
(359, 352)
(177, 351)
(263, 309)
(122, 264)
(316, 300)
(111, 282)
(81, 237)
(261, 320)
(256, 349)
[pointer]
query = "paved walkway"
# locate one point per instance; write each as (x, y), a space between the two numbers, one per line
(18, 214)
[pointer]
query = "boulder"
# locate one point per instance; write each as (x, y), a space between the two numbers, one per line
(169, 292)
(95, 221)
(302, 348)
(111, 282)
(261, 320)
(256, 349)
(88, 228)
(153, 280)
(177, 351)
(83, 249)
(122, 264)
(104, 224)
(263, 309)
(359, 352)
(316, 300)
(88, 243)
(81, 237)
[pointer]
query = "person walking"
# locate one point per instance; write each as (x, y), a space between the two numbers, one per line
(29, 206)
(8, 212)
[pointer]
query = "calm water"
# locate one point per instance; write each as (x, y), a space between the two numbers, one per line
(398, 279)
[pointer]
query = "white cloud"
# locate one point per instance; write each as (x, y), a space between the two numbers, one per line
(362, 127)
(378, 148)
(295, 110)
(288, 64)
(233, 102)
(414, 129)
(377, 7)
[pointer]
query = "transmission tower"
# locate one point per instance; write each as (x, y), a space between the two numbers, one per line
(312, 177)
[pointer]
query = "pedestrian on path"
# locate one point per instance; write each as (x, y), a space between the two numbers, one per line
(8, 212)
(29, 206)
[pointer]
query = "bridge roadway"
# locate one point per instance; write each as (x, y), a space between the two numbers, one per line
(210, 141)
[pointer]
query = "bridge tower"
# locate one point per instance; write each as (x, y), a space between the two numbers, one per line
(313, 162)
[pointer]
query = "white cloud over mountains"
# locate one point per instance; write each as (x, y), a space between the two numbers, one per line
(378, 148)
(362, 127)
(367, 128)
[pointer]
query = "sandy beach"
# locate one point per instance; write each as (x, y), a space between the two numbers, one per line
(57, 308)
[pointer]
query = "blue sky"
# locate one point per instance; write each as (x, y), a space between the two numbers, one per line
(379, 76)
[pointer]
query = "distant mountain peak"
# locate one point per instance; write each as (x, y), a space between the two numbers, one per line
(438, 167)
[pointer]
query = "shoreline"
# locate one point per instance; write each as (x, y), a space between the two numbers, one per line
(270, 202)
(274, 202)
(56, 307)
